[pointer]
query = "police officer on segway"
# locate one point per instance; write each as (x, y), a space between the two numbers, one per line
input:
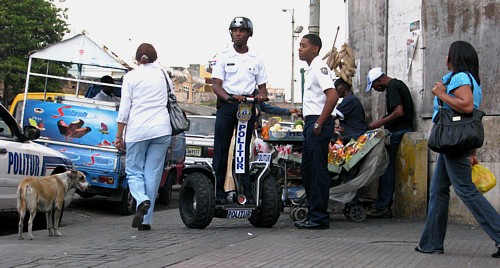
(235, 74)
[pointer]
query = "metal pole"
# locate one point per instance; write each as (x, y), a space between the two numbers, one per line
(314, 8)
(292, 82)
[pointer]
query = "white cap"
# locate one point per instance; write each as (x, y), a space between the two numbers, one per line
(373, 74)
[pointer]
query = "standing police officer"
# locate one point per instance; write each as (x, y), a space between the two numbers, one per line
(320, 99)
(235, 74)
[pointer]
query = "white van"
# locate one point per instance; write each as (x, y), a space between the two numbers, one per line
(20, 157)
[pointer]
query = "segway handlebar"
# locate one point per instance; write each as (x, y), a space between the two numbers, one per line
(246, 99)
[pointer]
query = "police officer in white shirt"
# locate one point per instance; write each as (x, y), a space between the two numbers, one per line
(235, 74)
(320, 98)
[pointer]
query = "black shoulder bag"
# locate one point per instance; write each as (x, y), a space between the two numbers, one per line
(454, 132)
(178, 119)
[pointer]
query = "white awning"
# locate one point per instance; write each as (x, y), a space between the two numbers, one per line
(80, 49)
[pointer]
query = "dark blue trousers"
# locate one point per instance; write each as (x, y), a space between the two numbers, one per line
(314, 170)
(386, 182)
(225, 123)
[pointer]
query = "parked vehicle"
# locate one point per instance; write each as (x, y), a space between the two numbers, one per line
(20, 157)
(84, 129)
(200, 139)
(16, 109)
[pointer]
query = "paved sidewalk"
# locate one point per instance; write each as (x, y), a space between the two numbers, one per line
(109, 241)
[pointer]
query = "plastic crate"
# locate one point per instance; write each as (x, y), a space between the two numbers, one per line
(287, 134)
(279, 134)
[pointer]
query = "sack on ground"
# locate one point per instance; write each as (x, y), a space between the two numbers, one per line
(453, 132)
(483, 178)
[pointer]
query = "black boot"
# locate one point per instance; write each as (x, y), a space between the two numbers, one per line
(142, 209)
(144, 227)
(496, 254)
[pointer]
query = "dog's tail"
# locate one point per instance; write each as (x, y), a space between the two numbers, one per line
(22, 191)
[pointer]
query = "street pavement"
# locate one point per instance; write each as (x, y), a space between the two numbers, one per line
(107, 240)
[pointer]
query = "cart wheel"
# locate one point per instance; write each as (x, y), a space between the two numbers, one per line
(357, 213)
(346, 211)
(300, 214)
(292, 213)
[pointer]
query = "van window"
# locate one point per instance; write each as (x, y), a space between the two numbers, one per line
(18, 111)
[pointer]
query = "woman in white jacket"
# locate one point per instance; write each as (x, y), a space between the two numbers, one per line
(144, 127)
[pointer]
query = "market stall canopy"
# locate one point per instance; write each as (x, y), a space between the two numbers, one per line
(80, 49)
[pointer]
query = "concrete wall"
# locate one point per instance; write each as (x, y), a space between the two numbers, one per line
(379, 31)
(368, 38)
(410, 199)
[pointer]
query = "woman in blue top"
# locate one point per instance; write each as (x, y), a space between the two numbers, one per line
(458, 94)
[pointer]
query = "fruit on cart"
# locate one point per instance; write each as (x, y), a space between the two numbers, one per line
(297, 123)
(298, 127)
(265, 132)
(338, 153)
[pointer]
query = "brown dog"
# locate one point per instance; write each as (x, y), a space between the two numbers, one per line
(46, 195)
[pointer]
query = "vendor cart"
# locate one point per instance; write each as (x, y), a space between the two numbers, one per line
(347, 177)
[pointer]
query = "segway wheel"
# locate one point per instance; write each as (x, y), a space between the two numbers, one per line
(300, 214)
(357, 213)
(270, 208)
(197, 201)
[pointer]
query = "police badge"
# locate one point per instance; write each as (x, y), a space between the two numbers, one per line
(244, 112)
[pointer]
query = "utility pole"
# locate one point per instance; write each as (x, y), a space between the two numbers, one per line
(314, 7)
(295, 32)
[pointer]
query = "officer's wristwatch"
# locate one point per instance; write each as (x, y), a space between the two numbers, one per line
(317, 126)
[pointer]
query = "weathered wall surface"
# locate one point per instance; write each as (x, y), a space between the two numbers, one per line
(368, 38)
(379, 31)
(473, 21)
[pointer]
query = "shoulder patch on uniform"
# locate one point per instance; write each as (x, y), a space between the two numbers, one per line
(324, 70)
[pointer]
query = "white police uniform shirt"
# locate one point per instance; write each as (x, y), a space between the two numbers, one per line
(239, 72)
(317, 79)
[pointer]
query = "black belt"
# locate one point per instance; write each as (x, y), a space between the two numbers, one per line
(310, 117)
(230, 95)
(220, 100)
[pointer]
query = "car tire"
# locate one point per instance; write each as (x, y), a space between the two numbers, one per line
(165, 193)
(127, 205)
(270, 209)
(197, 201)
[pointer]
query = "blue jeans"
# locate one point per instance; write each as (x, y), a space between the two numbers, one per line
(455, 170)
(386, 182)
(144, 166)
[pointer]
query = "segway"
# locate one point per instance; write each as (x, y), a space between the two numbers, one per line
(197, 196)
